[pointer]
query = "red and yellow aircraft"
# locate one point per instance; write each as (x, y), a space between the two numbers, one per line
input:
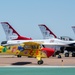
(12, 50)
(30, 49)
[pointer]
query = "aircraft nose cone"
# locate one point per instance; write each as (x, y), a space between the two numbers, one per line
(49, 51)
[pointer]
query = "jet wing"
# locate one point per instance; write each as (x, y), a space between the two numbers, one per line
(56, 44)
(71, 45)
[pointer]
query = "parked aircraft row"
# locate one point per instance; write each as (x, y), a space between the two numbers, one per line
(28, 48)
(13, 38)
(47, 33)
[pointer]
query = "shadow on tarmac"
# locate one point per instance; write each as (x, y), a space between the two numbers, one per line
(21, 63)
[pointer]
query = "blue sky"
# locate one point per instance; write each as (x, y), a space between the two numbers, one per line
(25, 15)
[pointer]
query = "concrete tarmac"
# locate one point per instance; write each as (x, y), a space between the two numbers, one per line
(11, 60)
(11, 65)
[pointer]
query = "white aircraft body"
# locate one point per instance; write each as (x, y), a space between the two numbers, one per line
(46, 42)
(47, 33)
(51, 42)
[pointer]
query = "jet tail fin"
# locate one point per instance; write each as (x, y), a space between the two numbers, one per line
(73, 27)
(11, 33)
(46, 32)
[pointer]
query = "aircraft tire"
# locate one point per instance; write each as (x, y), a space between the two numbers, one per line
(66, 54)
(59, 56)
(73, 54)
(19, 56)
(40, 62)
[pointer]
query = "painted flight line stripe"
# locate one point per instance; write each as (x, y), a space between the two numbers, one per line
(38, 66)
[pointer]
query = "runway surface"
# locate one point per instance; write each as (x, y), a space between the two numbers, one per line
(10, 60)
(11, 65)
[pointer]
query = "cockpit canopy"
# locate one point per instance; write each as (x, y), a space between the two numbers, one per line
(66, 38)
(3, 42)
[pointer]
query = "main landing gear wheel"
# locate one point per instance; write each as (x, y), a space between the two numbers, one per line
(59, 56)
(73, 54)
(19, 56)
(66, 54)
(40, 62)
